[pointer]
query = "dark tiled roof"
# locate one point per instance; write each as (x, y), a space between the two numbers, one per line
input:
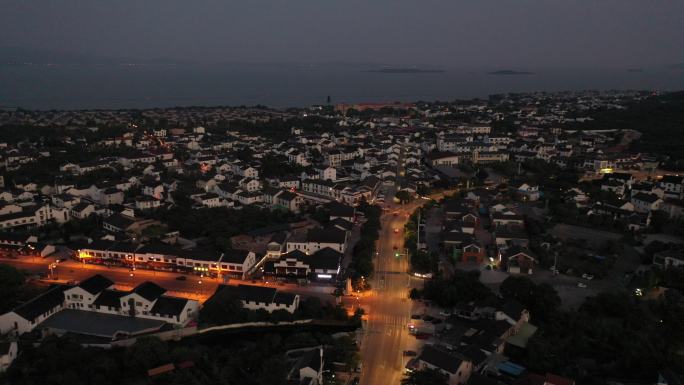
(343, 223)
(95, 284)
(282, 298)
(160, 248)
(172, 306)
(440, 359)
(325, 236)
(149, 290)
(338, 209)
(252, 293)
(235, 256)
(119, 221)
(14, 237)
(110, 298)
(326, 258)
(41, 304)
(298, 254)
(648, 198)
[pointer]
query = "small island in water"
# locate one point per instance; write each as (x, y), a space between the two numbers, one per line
(510, 72)
(405, 71)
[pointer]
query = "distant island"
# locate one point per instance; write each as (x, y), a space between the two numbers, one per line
(510, 72)
(405, 71)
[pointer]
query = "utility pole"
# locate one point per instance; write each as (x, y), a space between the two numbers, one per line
(418, 232)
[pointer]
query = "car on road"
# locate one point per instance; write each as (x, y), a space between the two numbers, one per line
(410, 353)
(445, 313)
(582, 285)
(588, 277)
(181, 278)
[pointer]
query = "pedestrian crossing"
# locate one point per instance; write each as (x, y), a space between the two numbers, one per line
(385, 321)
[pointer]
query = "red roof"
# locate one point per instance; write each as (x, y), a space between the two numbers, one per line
(552, 379)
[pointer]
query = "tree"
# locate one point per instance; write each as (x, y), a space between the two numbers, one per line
(462, 286)
(403, 196)
(541, 300)
(659, 219)
(11, 281)
(424, 377)
(222, 308)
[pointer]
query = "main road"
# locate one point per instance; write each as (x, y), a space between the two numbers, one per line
(388, 306)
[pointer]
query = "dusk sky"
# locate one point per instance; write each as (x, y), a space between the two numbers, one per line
(453, 33)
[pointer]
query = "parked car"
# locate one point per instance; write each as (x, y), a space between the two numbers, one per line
(410, 353)
(588, 277)
(445, 313)
(415, 316)
(581, 284)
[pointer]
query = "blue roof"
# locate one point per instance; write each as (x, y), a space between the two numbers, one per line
(510, 368)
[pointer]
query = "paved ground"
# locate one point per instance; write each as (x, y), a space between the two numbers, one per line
(665, 238)
(99, 324)
(189, 288)
(565, 231)
(388, 306)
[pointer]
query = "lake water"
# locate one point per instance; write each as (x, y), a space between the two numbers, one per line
(166, 86)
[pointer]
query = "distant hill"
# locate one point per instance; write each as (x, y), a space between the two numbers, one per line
(509, 72)
(659, 118)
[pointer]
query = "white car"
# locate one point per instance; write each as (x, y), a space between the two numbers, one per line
(445, 313)
(582, 285)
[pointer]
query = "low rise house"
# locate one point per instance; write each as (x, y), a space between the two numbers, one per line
(8, 353)
(456, 369)
(260, 297)
(323, 265)
(308, 370)
(317, 239)
(519, 260)
(28, 315)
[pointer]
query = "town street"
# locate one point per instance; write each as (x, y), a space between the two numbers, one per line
(388, 306)
(190, 287)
